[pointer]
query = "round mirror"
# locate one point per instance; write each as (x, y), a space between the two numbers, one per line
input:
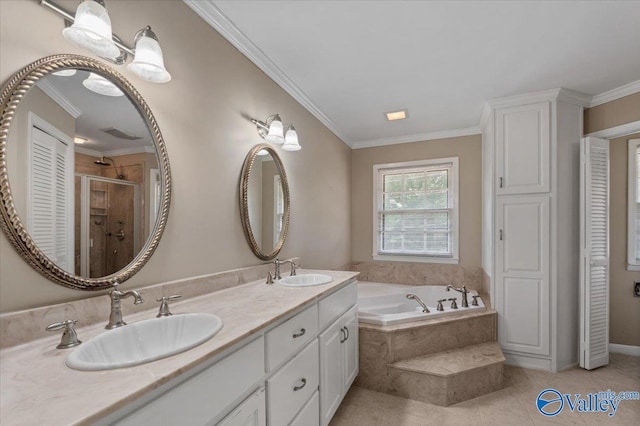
(84, 174)
(264, 201)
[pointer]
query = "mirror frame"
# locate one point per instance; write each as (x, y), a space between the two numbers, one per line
(13, 91)
(249, 161)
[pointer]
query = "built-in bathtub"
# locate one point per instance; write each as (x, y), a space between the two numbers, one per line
(387, 304)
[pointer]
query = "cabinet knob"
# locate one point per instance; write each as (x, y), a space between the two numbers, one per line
(304, 383)
(300, 333)
(501, 183)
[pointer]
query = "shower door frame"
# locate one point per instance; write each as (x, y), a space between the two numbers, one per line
(85, 214)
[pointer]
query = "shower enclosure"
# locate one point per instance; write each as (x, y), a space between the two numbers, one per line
(107, 224)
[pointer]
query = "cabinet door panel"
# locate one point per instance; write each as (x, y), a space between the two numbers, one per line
(331, 371)
(522, 149)
(252, 412)
(350, 321)
(522, 274)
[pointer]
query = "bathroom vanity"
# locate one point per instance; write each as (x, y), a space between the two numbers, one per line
(285, 356)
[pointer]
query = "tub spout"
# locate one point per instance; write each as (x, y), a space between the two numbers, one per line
(420, 302)
(464, 291)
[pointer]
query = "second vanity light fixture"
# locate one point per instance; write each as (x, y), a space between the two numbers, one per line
(91, 29)
(272, 130)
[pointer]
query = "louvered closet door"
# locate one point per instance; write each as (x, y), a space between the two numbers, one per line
(594, 262)
(49, 207)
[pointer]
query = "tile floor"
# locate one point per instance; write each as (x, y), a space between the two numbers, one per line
(515, 404)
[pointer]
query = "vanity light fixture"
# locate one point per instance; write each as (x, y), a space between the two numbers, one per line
(272, 130)
(79, 140)
(91, 29)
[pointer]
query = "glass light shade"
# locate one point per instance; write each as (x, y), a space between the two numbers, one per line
(148, 63)
(65, 73)
(91, 29)
(276, 131)
(263, 152)
(101, 85)
(291, 140)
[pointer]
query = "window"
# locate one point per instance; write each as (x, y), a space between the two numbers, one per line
(633, 224)
(416, 211)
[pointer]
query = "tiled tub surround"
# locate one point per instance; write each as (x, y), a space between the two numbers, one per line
(420, 274)
(441, 361)
(37, 388)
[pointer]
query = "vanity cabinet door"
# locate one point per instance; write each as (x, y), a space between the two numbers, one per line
(338, 362)
(252, 412)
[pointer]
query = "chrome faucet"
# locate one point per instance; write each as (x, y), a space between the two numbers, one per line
(420, 302)
(115, 318)
(278, 262)
(464, 291)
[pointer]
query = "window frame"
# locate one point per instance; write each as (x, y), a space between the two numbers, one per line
(454, 196)
(633, 204)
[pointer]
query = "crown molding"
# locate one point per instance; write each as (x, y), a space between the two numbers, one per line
(617, 131)
(573, 97)
(51, 91)
(218, 20)
(421, 137)
(87, 151)
(116, 152)
(614, 94)
(485, 116)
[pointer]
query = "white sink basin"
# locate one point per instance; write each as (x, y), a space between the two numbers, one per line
(306, 280)
(144, 341)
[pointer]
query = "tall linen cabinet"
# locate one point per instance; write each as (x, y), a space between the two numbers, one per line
(531, 177)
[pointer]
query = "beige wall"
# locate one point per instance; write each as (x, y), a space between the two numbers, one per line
(469, 151)
(200, 113)
(624, 308)
(612, 114)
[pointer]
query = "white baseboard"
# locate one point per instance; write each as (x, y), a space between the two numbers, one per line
(524, 361)
(624, 349)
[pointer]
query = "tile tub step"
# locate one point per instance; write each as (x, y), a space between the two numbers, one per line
(449, 377)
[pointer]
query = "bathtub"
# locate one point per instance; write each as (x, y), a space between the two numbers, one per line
(386, 304)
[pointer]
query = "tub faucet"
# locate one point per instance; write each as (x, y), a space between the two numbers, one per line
(115, 318)
(464, 291)
(420, 302)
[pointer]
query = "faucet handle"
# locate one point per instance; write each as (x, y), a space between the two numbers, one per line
(454, 305)
(293, 268)
(164, 305)
(440, 307)
(474, 302)
(269, 278)
(69, 337)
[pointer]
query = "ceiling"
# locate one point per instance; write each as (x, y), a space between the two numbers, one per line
(349, 62)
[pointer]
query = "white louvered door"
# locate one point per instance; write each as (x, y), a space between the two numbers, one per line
(50, 187)
(594, 259)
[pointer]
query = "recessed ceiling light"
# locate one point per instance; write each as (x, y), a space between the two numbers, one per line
(79, 140)
(397, 115)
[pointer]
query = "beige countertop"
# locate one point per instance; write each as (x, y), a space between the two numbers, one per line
(36, 387)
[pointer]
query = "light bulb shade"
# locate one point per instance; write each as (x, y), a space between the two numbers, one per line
(65, 72)
(101, 85)
(276, 131)
(291, 140)
(91, 29)
(263, 152)
(148, 63)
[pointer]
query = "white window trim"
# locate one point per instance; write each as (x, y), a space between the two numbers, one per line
(632, 263)
(455, 231)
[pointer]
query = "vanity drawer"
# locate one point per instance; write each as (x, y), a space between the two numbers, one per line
(292, 385)
(337, 304)
(310, 413)
(287, 338)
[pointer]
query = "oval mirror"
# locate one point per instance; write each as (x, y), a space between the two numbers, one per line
(84, 173)
(264, 201)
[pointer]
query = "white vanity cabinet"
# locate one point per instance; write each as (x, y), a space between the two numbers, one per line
(531, 178)
(277, 379)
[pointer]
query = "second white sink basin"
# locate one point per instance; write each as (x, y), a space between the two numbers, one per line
(144, 341)
(306, 280)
